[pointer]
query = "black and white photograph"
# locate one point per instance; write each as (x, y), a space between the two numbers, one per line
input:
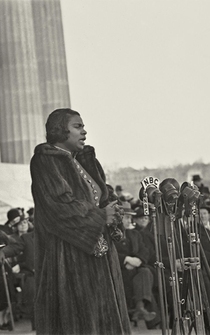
(104, 167)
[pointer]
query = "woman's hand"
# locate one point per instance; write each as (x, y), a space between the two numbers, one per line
(110, 213)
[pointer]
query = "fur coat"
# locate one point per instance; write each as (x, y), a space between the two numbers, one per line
(76, 292)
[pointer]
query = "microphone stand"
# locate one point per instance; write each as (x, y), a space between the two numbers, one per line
(192, 265)
(170, 218)
(159, 266)
(177, 330)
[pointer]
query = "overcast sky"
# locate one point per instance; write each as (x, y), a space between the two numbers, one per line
(139, 74)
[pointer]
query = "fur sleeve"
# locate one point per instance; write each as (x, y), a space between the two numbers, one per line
(78, 222)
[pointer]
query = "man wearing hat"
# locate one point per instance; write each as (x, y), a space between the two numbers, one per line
(143, 226)
(119, 190)
(21, 225)
(137, 278)
(141, 219)
(13, 217)
(197, 180)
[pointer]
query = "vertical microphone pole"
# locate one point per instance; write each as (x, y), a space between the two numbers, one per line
(177, 329)
(194, 272)
(159, 266)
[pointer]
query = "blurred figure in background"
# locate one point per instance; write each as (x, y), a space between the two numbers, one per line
(5, 323)
(24, 245)
(125, 196)
(112, 195)
(30, 213)
(137, 278)
(204, 232)
(13, 216)
(204, 190)
(143, 225)
(205, 216)
(21, 226)
(119, 190)
(21, 210)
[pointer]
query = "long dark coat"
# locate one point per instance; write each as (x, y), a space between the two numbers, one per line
(76, 292)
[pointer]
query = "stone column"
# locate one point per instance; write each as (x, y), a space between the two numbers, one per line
(33, 74)
(21, 119)
(51, 55)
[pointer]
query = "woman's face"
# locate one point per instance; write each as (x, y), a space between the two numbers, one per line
(77, 136)
(22, 227)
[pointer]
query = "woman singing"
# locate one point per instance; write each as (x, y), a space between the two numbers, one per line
(79, 288)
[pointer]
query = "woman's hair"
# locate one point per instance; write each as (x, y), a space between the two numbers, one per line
(57, 125)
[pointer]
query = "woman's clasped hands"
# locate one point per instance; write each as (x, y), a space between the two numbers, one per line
(114, 214)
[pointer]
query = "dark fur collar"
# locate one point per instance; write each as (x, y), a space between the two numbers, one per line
(87, 159)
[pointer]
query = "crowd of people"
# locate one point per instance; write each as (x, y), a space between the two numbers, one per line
(136, 262)
(136, 252)
(17, 243)
(84, 259)
(140, 279)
